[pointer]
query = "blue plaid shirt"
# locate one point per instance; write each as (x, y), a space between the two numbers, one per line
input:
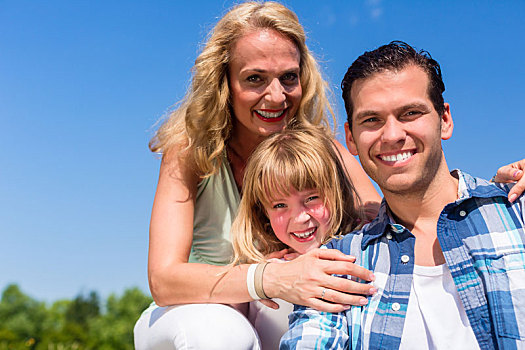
(482, 237)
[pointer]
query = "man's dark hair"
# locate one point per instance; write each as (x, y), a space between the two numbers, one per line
(394, 57)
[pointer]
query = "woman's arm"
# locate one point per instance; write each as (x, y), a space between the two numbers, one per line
(172, 279)
(175, 281)
(367, 193)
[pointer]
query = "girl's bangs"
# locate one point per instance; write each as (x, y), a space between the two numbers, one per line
(279, 176)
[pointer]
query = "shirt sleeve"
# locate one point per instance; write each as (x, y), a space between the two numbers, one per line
(312, 329)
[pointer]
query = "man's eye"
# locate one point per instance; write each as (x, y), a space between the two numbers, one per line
(370, 120)
(412, 113)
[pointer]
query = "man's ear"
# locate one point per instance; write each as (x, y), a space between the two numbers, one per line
(447, 124)
(350, 144)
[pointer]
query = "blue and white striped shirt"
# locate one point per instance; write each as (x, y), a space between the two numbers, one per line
(482, 237)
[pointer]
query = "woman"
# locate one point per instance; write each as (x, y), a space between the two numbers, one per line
(254, 76)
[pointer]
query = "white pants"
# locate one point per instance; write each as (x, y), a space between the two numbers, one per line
(210, 326)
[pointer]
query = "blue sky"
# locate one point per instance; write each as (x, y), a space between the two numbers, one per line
(82, 84)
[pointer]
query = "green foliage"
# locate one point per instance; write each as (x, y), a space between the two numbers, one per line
(77, 324)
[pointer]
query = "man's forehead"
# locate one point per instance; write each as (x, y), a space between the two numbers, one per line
(387, 86)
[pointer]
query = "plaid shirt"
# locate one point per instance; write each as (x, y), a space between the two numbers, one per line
(482, 237)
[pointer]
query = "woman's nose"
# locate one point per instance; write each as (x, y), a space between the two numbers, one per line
(275, 93)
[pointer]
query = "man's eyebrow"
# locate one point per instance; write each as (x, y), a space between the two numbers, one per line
(415, 105)
(366, 113)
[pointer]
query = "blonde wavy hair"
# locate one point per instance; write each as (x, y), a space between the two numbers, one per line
(202, 122)
(302, 159)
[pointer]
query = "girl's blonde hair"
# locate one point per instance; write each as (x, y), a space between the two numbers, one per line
(299, 159)
(202, 122)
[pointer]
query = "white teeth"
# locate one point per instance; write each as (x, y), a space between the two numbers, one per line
(397, 158)
(305, 234)
(267, 114)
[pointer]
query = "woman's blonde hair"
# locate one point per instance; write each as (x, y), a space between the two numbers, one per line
(202, 122)
(300, 159)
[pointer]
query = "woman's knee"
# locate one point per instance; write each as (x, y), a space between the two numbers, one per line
(195, 326)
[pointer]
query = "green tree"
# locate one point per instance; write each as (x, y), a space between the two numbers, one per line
(114, 330)
(76, 324)
(22, 317)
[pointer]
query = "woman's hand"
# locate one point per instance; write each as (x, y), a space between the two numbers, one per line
(512, 173)
(307, 280)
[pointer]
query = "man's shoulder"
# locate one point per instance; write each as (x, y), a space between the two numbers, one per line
(345, 242)
(356, 240)
(481, 188)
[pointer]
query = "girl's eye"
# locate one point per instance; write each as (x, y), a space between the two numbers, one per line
(312, 198)
(279, 205)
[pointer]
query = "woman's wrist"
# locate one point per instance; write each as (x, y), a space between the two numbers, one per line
(270, 280)
(254, 281)
(259, 285)
(250, 281)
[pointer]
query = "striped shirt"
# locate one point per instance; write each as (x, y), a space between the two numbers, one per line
(482, 237)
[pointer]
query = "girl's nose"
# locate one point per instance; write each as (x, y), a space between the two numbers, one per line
(302, 216)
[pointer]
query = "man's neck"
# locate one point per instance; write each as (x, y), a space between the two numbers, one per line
(419, 212)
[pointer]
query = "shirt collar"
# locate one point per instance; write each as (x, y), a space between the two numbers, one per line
(378, 226)
(468, 187)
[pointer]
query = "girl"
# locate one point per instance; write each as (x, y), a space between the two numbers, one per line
(296, 196)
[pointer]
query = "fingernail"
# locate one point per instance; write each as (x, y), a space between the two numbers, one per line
(372, 290)
(513, 197)
(371, 277)
(517, 173)
(363, 301)
(346, 307)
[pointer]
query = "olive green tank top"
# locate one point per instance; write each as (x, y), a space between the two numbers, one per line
(216, 205)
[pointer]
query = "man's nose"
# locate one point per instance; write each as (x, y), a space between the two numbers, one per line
(393, 131)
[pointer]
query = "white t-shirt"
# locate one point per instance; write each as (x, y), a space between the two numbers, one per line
(436, 318)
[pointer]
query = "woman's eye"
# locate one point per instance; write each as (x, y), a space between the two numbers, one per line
(289, 78)
(254, 78)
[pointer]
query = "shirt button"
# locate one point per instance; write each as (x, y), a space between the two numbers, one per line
(462, 213)
(396, 306)
(388, 236)
(405, 259)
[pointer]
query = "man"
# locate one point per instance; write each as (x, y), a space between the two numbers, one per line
(447, 249)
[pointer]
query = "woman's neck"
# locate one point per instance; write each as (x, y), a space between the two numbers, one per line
(239, 149)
